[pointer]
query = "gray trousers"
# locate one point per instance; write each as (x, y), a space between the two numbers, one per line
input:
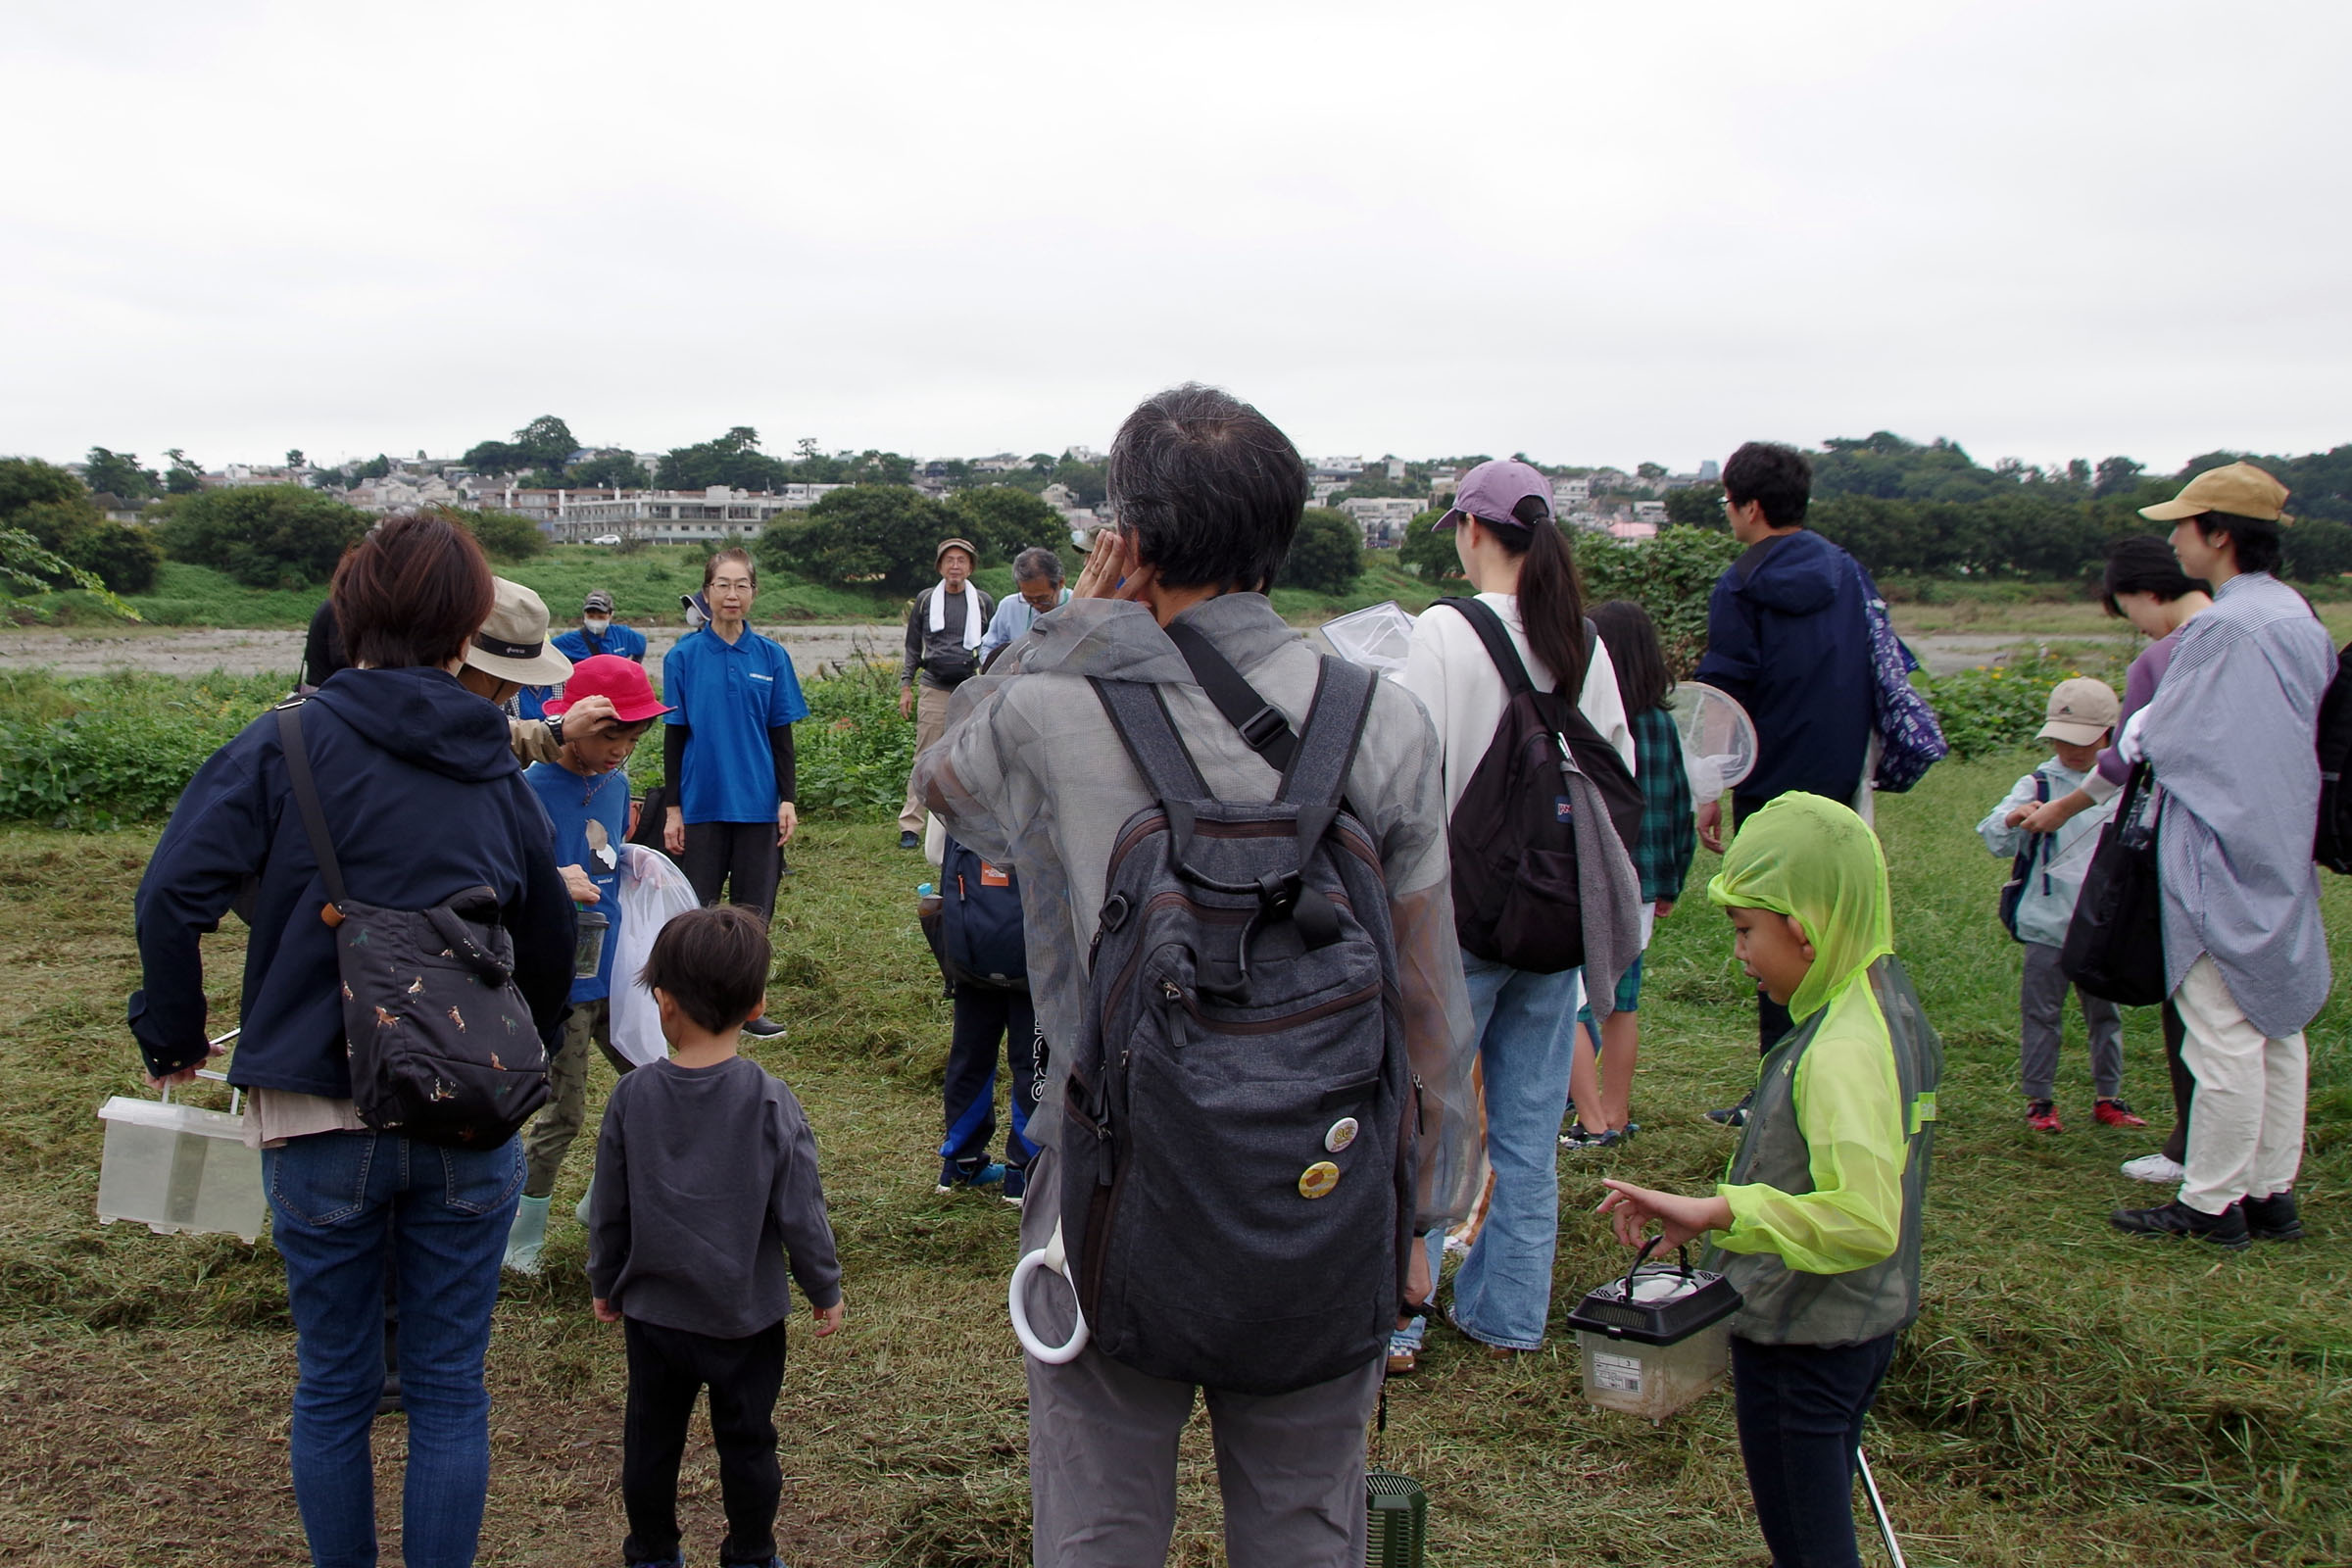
(2042, 1010)
(1103, 1447)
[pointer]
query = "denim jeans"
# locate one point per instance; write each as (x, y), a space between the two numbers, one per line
(1799, 1409)
(1526, 1027)
(334, 1198)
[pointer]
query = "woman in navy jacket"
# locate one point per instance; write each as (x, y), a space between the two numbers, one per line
(423, 798)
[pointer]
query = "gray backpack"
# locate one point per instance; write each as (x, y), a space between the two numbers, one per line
(1237, 1171)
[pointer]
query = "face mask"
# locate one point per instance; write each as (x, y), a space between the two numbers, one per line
(597, 626)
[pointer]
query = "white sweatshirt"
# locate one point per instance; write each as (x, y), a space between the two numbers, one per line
(1448, 668)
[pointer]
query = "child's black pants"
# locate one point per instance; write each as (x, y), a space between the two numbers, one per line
(1799, 1409)
(984, 1015)
(667, 1367)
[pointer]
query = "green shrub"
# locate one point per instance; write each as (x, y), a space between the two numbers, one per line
(1671, 576)
(1998, 708)
(1428, 551)
(1327, 555)
(263, 535)
(1004, 522)
(504, 535)
(879, 537)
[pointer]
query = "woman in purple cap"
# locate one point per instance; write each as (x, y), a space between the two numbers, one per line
(1516, 557)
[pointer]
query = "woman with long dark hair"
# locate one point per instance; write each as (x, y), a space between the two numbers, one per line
(1601, 1083)
(423, 800)
(1516, 557)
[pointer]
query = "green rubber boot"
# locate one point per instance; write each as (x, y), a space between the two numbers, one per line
(528, 1236)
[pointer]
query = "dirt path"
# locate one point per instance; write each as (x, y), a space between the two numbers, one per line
(197, 651)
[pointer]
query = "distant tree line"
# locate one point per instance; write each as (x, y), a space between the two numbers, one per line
(1930, 511)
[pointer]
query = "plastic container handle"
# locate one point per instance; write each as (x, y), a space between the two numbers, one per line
(1051, 1256)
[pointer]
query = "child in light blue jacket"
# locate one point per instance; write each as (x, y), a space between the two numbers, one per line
(2080, 714)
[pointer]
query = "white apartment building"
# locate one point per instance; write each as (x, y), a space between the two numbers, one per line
(659, 516)
(1383, 520)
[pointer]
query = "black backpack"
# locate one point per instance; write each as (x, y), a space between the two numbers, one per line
(443, 1046)
(2331, 844)
(1237, 1169)
(2038, 847)
(980, 931)
(1517, 897)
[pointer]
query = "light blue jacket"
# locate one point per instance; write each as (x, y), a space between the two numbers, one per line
(2048, 905)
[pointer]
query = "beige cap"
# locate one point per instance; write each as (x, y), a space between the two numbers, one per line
(513, 643)
(2240, 489)
(2080, 712)
(971, 550)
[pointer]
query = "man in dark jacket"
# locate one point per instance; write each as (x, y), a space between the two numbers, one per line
(1788, 638)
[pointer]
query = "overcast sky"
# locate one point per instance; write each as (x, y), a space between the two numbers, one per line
(1598, 233)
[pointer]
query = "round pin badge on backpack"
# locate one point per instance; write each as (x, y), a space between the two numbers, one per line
(1318, 1179)
(1342, 1133)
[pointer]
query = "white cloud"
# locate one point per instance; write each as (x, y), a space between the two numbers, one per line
(1591, 232)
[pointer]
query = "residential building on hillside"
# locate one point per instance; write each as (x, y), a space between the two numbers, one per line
(1632, 531)
(1337, 467)
(1384, 519)
(1001, 462)
(1572, 493)
(660, 516)
(1652, 513)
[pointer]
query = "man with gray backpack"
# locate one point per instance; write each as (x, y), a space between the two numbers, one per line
(1232, 856)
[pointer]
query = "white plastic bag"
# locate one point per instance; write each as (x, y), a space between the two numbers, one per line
(652, 890)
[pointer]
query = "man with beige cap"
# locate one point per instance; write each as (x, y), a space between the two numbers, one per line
(944, 627)
(2230, 738)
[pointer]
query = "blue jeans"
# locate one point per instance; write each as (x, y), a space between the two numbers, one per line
(343, 1206)
(1526, 1027)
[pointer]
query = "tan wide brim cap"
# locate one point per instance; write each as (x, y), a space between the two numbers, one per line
(513, 643)
(2240, 489)
(964, 544)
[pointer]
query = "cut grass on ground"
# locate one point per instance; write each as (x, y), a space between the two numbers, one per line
(2069, 1397)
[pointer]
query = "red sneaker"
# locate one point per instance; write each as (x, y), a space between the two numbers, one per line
(2115, 1113)
(2042, 1116)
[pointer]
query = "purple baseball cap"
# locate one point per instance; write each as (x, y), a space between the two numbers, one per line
(1490, 491)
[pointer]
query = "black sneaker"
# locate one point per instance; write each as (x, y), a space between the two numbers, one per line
(1733, 1115)
(2272, 1219)
(2226, 1229)
(1577, 1140)
(763, 1026)
(907, 841)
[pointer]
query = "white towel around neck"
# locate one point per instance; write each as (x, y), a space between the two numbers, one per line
(971, 612)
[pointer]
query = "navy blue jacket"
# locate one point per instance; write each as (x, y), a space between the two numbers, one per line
(423, 800)
(1788, 637)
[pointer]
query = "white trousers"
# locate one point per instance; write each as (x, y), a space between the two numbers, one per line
(2246, 1138)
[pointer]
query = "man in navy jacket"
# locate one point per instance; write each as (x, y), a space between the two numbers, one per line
(1788, 638)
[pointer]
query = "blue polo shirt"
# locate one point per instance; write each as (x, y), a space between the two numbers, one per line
(626, 642)
(574, 802)
(729, 695)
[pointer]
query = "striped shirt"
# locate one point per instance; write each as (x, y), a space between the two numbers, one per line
(2230, 736)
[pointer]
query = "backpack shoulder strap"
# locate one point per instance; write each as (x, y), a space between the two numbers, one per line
(1140, 715)
(1261, 723)
(306, 798)
(1334, 726)
(1497, 638)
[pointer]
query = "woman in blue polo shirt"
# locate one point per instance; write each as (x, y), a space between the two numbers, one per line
(727, 749)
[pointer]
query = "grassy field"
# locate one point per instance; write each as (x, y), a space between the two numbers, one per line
(2069, 1397)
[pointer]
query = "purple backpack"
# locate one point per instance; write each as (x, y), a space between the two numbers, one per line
(1910, 740)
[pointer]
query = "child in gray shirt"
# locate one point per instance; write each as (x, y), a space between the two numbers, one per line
(705, 1208)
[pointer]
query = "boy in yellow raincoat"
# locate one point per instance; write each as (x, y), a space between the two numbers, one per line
(1818, 1222)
